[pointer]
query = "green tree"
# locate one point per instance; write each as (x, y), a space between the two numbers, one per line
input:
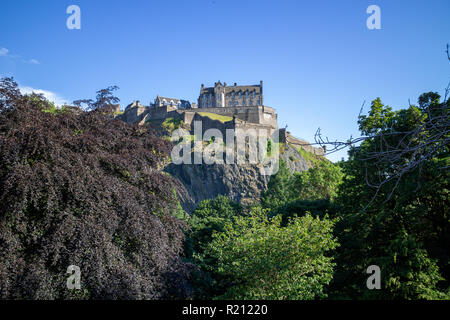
(210, 216)
(394, 205)
(261, 259)
(279, 189)
(319, 182)
(295, 194)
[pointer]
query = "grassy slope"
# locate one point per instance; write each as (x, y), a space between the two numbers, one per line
(215, 116)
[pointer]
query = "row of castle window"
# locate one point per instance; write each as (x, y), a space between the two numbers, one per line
(233, 97)
(240, 94)
(232, 103)
(171, 103)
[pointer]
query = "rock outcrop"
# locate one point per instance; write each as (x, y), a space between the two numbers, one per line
(242, 183)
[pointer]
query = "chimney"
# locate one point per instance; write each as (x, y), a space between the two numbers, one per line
(261, 92)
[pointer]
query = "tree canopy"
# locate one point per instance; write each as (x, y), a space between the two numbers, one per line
(79, 188)
(395, 218)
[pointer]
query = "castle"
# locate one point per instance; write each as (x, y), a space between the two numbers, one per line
(222, 95)
(221, 107)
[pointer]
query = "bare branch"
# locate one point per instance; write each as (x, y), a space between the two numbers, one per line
(448, 53)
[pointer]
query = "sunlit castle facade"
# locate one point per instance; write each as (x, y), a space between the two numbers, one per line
(222, 95)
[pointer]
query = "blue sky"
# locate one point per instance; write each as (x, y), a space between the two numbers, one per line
(318, 60)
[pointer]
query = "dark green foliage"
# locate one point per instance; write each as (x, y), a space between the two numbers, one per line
(209, 217)
(401, 224)
(299, 207)
(311, 191)
(78, 188)
(280, 189)
(320, 182)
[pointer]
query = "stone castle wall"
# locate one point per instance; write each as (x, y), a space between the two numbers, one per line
(245, 118)
(208, 123)
(286, 137)
(253, 114)
(134, 114)
(260, 115)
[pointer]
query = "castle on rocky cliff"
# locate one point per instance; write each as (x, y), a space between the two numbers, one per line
(220, 107)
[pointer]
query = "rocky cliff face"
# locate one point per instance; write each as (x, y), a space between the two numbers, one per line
(242, 183)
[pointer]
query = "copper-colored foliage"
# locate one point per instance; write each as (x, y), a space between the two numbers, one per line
(79, 188)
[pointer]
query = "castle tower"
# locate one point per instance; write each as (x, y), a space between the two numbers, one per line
(219, 94)
(222, 95)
